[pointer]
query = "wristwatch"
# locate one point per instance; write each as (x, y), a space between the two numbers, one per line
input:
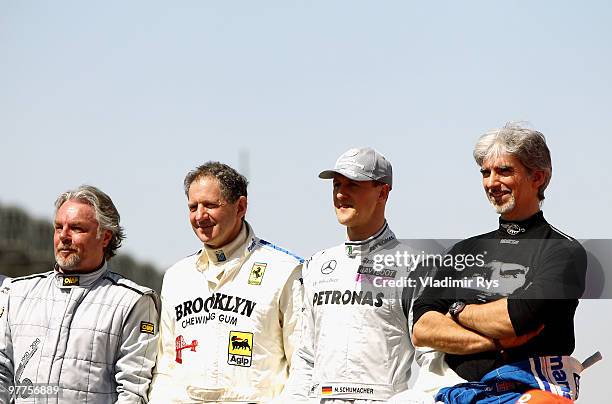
(456, 308)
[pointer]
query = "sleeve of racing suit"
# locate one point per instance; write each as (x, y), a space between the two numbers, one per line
(291, 307)
(302, 364)
(6, 351)
(138, 349)
(431, 298)
(163, 386)
(559, 283)
(428, 300)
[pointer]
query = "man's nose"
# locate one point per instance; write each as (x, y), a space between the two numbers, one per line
(492, 180)
(201, 213)
(340, 193)
(64, 235)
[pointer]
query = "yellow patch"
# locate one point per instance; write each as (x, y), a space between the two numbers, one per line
(147, 328)
(240, 348)
(71, 281)
(257, 272)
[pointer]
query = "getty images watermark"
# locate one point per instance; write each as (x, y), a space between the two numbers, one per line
(483, 268)
(382, 262)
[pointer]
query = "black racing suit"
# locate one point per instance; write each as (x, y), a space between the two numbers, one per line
(542, 273)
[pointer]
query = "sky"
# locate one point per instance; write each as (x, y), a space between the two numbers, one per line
(129, 96)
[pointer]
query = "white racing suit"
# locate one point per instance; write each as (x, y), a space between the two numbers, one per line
(229, 324)
(355, 343)
(75, 338)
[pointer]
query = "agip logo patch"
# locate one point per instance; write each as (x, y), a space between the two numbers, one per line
(257, 272)
(240, 349)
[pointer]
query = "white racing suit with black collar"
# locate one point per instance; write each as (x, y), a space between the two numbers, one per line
(230, 320)
(89, 337)
(355, 344)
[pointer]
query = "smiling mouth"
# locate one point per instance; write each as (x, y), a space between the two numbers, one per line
(498, 194)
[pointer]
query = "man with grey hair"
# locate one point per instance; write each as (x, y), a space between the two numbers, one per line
(79, 333)
(507, 325)
(230, 312)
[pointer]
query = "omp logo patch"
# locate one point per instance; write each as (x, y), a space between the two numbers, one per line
(70, 281)
(147, 328)
(257, 272)
(240, 348)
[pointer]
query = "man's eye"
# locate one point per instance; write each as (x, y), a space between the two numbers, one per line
(485, 174)
(192, 208)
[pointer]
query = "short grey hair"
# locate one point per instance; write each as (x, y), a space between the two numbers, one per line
(104, 210)
(232, 184)
(528, 145)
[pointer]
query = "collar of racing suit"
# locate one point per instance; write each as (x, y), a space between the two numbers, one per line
(225, 253)
(515, 228)
(218, 272)
(238, 249)
(75, 279)
(369, 245)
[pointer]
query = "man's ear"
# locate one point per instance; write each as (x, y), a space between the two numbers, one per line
(538, 177)
(242, 206)
(106, 237)
(384, 192)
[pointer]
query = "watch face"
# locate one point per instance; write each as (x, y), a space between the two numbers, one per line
(456, 308)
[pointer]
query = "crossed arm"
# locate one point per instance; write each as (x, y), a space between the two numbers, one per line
(478, 328)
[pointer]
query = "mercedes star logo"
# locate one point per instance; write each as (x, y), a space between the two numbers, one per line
(328, 267)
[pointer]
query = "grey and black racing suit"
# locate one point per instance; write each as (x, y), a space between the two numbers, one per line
(71, 338)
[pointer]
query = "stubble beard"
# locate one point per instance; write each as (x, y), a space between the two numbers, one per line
(504, 207)
(69, 263)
